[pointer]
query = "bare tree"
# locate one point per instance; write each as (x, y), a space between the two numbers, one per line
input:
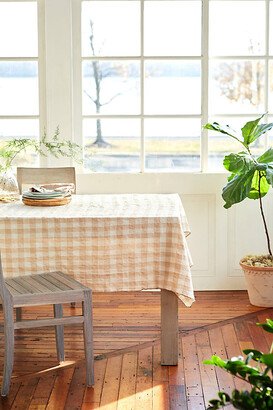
(241, 81)
(99, 73)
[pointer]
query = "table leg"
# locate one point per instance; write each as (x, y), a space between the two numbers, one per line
(169, 328)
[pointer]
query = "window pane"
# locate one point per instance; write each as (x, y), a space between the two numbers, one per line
(270, 84)
(111, 87)
(237, 87)
(20, 129)
(172, 144)
(111, 145)
(220, 145)
(172, 28)
(237, 28)
(113, 26)
(18, 29)
(172, 87)
(19, 88)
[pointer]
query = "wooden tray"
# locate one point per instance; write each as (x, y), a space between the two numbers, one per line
(47, 202)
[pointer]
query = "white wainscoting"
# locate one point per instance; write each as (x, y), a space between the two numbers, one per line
(219, 237)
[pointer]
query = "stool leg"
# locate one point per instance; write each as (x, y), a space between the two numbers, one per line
(9, 349)
(88, 337)
(59, 333)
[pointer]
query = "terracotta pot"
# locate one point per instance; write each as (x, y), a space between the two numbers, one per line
(259, 282)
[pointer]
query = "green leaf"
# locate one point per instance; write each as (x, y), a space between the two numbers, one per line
(264, 186)
(223, 129)
(268, 325)
(269, 174)
(216, 360)
(236, 163)
(256, 354)
(214, 405)
(266, 157)
(252, 131)
(267, 359)
(237, 189)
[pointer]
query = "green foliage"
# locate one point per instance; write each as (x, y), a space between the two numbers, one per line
(260, 377)
(54, 146)
(250, 177)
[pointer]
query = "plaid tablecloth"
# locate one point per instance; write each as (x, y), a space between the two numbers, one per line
(109, 242)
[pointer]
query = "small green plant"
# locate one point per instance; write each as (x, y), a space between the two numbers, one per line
(54, 146)
(260, 378)
(250, 177)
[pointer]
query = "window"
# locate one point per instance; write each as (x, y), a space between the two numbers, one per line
(154, 71)
(19, 96)
(141, 85)
(240, 68)
(133, 81)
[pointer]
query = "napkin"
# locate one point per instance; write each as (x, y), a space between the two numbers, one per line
(66, 189)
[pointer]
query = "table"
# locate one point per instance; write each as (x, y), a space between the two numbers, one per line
(124, 242)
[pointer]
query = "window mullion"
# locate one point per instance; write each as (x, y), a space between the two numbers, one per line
(41, 71)
(205, 83)
(142, 76)
(58, 71)
(266, 69)
(77, 76)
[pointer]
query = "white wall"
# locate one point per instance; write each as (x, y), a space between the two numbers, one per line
(219, 237)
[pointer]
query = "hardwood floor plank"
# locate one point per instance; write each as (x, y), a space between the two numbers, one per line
(60, 390)
(225, 380)
(144, 383)
(233, 350)
(261, 319)
(111, 382)
(195, 403)
(177, 397)
(6, 402)
(243, 335)
(176, 375)
(160, 373)
(25, 394)
(191, 367)
(127, 390)
(257, 336)
(42, 392)
(160, 395)
(93, 396)
(208, 375)
(77, 388)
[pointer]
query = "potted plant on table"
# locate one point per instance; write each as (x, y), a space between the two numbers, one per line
(251, 177)
(11, 150)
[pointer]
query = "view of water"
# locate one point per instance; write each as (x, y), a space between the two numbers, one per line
(19, 96)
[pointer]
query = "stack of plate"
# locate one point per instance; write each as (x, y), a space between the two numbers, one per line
(49, 198)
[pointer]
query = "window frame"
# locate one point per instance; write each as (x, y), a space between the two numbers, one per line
(66, 15)
(40, 59)
(205, 59)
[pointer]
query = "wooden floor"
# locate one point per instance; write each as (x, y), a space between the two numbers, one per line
(128, 374)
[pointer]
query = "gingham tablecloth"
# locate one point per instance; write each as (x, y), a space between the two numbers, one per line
(109, 242)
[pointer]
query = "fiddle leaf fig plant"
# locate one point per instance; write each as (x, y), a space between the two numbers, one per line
(250, 176)
(259, 376)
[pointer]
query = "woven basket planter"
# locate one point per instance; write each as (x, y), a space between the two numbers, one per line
(259, 282)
